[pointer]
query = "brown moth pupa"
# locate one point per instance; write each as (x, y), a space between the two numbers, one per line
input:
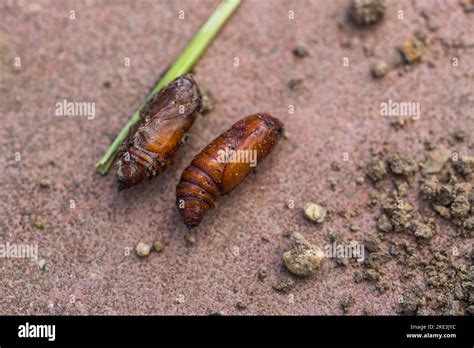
(153, 141)
(224, 163)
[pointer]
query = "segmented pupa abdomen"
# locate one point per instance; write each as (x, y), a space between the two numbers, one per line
(210, 175)
(153, 141)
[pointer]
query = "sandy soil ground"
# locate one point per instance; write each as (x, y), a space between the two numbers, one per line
(91, 267)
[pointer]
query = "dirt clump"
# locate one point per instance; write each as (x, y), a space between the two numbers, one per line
(423, 231)
(332, 183)
(443, 186)
(241, 305)
(376, 170)
(336, 166)
(295, 83)
(465, 166)
(303, 258)
(347, 303)
(467, 5)
(300, 51)
(371, 275)
(453, 201)
(262, 273)
(372, 242)
(402, 163)
(412, 300)
(45, 183)
(411, 51)
(398, 217)
(452, 282)
(285, 284)
(158, 246)
(459, 135)
(365, 12)
(375, 260)
(190, 238)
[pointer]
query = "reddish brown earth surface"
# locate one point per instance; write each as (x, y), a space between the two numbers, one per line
(88, 269)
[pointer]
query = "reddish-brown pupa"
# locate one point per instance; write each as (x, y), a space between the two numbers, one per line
(152, 143)
(219, 167)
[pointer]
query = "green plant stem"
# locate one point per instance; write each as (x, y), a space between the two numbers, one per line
(182, 65)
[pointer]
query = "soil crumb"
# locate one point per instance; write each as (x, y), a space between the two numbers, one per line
(411, 51)
(300, 51)
(347, 303)
(376, 170)
(443, 184)
(304, 258)
(158, 246)
(365, 12)
(412, 300)
(262, 273)
(285, 284)
(402, 163)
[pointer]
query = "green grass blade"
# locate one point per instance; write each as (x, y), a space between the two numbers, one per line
(183, 64)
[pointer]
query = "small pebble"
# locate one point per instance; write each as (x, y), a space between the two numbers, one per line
(42, 264)
(398, 124)
(459, 135)
(300, 51)
(332, 183)
(379, 69)
(346, 303)
(44, 183)
(342, 261)
(158, 246)
(368, 50)
(190, 238)
(241, 305)
(143, 249)
(393, 250)
(336, 166)
(294, 83)
(354, 228)
(314, 212)
(367, 11)
(303, 258)
(262, 273)
(411, 51)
